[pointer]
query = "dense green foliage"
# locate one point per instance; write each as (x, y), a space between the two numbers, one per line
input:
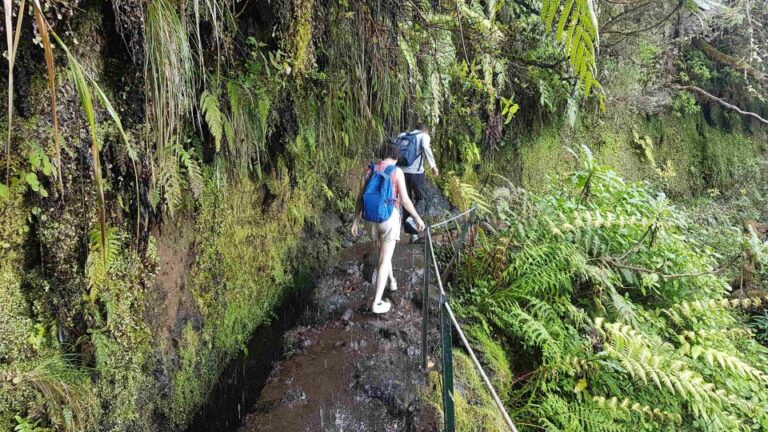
(161, 140)
(612, 314)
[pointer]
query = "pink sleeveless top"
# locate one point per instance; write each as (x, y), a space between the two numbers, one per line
(393, 178)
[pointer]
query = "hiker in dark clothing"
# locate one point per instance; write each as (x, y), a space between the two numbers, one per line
(414, 175)
(386, 230)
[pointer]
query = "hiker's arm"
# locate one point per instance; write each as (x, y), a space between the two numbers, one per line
(405, 200)
(426, 146)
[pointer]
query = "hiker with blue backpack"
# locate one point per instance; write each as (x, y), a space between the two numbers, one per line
(414, 147)
(383, 192)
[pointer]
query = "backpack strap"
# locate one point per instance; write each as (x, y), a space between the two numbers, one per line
(390, 171)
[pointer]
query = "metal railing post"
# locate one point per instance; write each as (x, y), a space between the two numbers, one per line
(447, 323)
(447, 354)
(425, 299)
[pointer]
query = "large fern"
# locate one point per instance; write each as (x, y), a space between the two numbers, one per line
(574, 24)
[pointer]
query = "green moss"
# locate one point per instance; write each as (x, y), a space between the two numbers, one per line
(493, 358)
(542, 156)
(191, 378)
(702, 156)
(243, 267)
(15, 321)
(474, 405)
(123, 344)
(614, 147)
(298, 38)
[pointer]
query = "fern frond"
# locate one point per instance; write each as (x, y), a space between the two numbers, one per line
(576, 30)
(727, 361)
(168, 184)
(708, 335)
(209, 105)
(194, 173)
(654, 363)
(628, 407)
(544, 271)
(100, 260)
(465, 195)
(531, 331)
(691, 310)
(558, 415)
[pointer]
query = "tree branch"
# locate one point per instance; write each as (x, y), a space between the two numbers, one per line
(613, 262)
(720, 57)
(704, 93)
(643, 30)
(618, 16)
(540, 64)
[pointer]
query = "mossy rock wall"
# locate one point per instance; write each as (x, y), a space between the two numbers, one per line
(687, 152)
(175, 304)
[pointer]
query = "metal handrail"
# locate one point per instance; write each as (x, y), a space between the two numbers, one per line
(447, 221)
(429, 252)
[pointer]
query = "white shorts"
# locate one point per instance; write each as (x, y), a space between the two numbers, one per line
(389, 230)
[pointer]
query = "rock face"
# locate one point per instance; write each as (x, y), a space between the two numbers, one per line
(348, 369)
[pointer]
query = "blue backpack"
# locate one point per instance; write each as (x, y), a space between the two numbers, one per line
(409, 149)
(378, 203)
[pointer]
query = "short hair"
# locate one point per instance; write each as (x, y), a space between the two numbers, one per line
(388, 149)
(422, 126)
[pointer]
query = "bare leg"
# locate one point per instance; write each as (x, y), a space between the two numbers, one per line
(375, 254)
(386, 250)
(392, 281)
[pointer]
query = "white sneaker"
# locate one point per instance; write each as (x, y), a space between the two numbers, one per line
(381, 307)
(392, 286)
(414, 238)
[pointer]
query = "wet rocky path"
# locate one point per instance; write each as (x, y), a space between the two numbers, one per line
(346, 369)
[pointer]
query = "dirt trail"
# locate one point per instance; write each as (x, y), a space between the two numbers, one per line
(349, 370)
